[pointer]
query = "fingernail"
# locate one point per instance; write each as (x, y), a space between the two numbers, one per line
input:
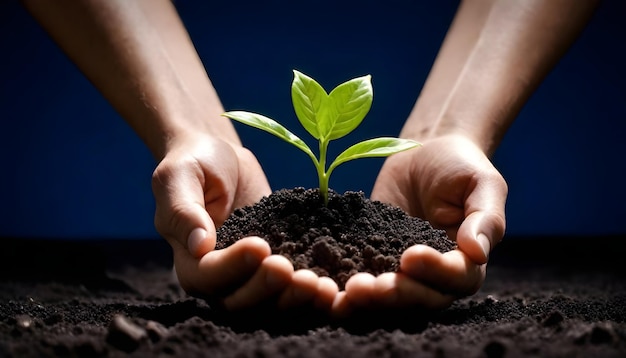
(196, 240)
(484, 243)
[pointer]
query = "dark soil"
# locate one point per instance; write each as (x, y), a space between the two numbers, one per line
(120, 298)
(351, 234)
(542, 298)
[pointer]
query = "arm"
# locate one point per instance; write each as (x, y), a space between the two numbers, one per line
(140, 57)
(494, 56)
(455, 50)
(515, 48)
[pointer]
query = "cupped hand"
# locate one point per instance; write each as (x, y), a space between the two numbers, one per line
(199, 182)
(451, 183)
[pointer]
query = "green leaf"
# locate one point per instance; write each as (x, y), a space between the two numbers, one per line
(376, 147)
(271, 126)
(347, 105)
(308, 99)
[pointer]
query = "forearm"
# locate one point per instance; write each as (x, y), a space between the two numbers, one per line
(139, 56)
(457, 46)
(517, 46)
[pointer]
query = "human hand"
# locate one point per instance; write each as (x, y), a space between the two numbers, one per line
(452, 184)
(197, 185)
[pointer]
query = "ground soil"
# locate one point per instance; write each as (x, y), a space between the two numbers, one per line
(543, 297)
(351, 234)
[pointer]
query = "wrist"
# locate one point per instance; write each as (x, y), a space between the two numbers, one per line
(187, 136)
(482, 128)
(176, 128)
(479, 107)
(483, 133)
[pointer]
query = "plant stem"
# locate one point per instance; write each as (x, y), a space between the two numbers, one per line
(321, 170)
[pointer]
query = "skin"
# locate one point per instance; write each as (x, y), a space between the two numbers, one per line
(139, 56)
(494, 56)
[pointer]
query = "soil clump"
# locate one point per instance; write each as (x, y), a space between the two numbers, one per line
(351, 234)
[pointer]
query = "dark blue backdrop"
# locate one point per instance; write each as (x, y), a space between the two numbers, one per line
(70, 167)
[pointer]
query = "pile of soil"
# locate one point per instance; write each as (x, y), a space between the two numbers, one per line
(351, 234)
(120, 302)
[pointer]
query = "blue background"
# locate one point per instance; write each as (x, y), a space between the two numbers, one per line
(71, 168)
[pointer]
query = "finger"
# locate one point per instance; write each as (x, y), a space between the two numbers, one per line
(302, 289)
(479, 233)
(252, 184)
(359, 289)
(484, 224)
(452, 272)
(221, 271)
(273, 276)
(397, 290)
(393, 184)
(327, 291)
(181, 216)
(341, 307)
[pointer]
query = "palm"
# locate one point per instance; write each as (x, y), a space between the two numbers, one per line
(197, 186)
(434, 182)
(232, 178)
(452, 184)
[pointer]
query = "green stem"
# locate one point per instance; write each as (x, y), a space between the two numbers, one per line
(321, 170)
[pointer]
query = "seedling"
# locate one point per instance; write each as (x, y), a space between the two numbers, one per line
(328, 116)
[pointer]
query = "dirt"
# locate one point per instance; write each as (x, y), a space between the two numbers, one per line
(351, 234)
(546, 297)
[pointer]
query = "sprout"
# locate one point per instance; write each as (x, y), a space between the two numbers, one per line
(328, 116)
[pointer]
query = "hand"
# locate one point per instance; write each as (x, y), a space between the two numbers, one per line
(196, 186)
(452, 184)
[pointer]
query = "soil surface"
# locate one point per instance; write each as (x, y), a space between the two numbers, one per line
(351, 234)
(118, 298)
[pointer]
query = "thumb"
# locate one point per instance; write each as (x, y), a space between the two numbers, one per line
(484, 224)
(478, 234)
(197, 230)
(181, 216)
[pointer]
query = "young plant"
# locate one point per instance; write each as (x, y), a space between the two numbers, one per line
(328, 116)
